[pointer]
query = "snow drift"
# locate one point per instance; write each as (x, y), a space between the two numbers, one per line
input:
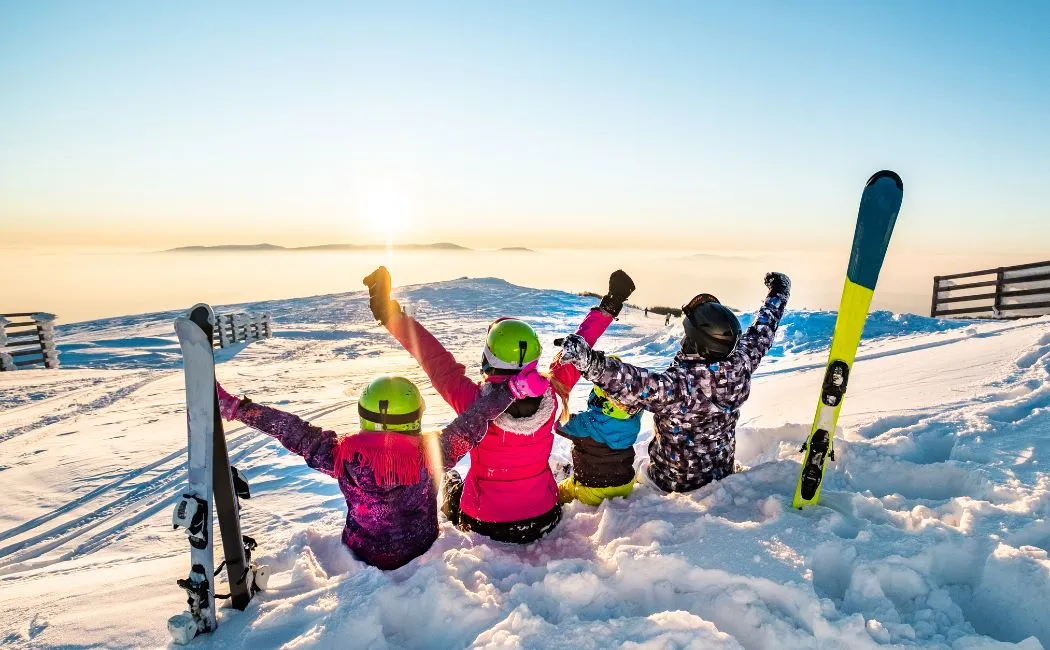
(932, 529)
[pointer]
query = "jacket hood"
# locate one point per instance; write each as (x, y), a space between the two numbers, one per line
(592, 423)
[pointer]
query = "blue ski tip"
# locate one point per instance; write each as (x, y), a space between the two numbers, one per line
(885, 173)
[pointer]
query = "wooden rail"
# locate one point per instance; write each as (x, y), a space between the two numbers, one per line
(1019, 291)
(27, 339)
(241, 327)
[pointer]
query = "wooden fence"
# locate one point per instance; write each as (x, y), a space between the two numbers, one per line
(241, 327)
(27, 339)
(1006, 292)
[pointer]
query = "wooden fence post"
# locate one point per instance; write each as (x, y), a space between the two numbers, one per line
(7, 362)
(45, 328)
(224, 337)
(936, 288)
(997, 305)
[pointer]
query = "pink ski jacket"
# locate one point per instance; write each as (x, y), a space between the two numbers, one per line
(509, 477)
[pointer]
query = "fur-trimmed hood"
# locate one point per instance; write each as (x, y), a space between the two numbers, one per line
(526, 426)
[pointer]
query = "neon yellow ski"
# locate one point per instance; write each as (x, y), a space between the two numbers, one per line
(879, 205)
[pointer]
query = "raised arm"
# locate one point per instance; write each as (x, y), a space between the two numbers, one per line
(466, 431)
(447, 375)
(630, 385)
(298, 436)
(621, 286)
(758, 338)
(591, 329)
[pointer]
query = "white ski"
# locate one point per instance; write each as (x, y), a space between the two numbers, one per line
(194, 509)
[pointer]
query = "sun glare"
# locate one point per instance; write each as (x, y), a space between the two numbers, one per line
(388, 212)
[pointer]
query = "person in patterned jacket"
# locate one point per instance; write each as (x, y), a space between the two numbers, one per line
(696, 401)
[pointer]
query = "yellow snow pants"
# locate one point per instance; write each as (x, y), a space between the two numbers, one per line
(569, 490)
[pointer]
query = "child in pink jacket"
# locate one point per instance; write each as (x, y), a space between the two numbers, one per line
(509, 493)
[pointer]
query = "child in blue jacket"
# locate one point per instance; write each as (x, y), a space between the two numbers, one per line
(603, 438)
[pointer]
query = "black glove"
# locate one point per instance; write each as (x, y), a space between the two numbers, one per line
(378, 283)
(621, 286)
(778, 283)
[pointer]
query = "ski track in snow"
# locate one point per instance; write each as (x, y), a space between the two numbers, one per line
(142, 499)
(77, 408)
(931, 530)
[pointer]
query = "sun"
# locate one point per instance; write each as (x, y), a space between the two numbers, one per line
(388, 212)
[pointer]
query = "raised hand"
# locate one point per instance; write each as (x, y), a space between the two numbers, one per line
(575, 350)
(528, 382)
(621, 286)
(778, 283)
(378, 283)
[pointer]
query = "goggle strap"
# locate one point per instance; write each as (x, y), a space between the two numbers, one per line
(384, 418)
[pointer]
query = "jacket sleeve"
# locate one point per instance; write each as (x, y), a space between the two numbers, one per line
(571, 429)
(758, 338)
(467, 430)
(448, 376)
(295, 434)
(591, 329)
(636, 387)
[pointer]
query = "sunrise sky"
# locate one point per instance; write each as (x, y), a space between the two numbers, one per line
(703, 125)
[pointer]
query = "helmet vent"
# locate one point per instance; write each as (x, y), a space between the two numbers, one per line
(523, 348)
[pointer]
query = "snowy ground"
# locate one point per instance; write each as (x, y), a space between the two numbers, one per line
(932, 529)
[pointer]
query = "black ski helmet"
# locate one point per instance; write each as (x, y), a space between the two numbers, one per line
(712, 330)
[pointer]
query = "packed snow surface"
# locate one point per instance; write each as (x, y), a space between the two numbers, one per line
(932, 528)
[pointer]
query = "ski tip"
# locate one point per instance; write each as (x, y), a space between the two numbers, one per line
(202, 314)
(885, 173)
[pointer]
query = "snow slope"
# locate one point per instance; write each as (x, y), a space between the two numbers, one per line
(932, 529)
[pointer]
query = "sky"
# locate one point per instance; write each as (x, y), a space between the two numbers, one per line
(699, 126)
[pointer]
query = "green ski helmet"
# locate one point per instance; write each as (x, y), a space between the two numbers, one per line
(511, 343)
(391, 404)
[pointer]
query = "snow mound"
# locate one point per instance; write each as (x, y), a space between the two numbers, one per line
(932, 529)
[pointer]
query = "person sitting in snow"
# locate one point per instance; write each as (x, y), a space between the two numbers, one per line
(696, 401)
(509, 494)
(383, 470)
(603, 438)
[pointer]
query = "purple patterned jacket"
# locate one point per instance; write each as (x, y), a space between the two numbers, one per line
(695, 403)
(385, 526)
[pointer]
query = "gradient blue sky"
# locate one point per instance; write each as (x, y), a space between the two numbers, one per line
(701, 125)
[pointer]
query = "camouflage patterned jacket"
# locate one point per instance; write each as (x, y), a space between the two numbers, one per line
(695, 404)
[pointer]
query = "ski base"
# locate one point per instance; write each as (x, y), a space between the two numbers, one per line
(213, 485)
(879, 205)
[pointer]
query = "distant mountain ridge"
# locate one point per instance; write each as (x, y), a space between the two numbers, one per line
(445, 246)
(226, 248)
